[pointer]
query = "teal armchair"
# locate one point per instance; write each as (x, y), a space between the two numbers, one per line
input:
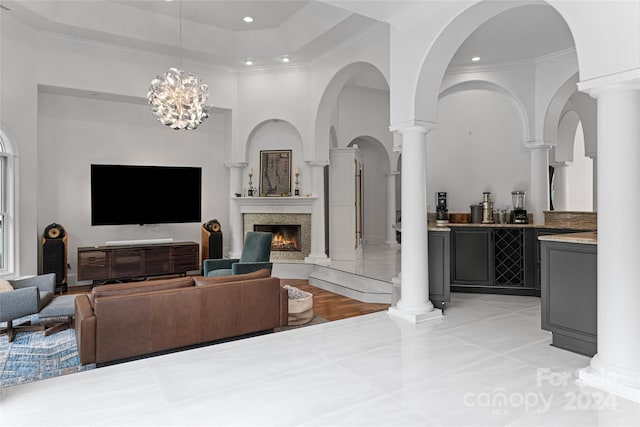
(255, 256)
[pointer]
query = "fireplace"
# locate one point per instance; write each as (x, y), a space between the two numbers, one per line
(286, 237)
(291, 233)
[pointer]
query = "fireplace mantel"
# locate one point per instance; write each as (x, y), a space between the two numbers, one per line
(275, 204)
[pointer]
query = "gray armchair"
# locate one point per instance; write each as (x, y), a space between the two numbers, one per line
(29, 296)
(255, 256)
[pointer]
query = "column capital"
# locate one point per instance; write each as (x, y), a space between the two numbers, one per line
(625, 80)
(559, 164)
(317, 163)
(231, 165)
(539, 144)
(421, 125)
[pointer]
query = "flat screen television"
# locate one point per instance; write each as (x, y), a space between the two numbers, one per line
(123, 194)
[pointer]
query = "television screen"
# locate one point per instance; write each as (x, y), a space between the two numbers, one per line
(145, 194)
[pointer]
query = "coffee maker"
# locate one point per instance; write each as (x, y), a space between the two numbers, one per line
(442, 217)
(487, 208)
(519, 213)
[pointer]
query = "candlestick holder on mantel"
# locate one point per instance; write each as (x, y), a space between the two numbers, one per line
(297, 190)
(250, 189)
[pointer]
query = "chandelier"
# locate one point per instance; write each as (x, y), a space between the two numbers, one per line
(177, 97)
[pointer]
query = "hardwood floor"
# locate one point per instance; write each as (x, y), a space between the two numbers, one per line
(333, 306)
(326, 304)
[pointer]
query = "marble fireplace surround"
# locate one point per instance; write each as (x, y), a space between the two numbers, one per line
(279, 210)
(304, 220)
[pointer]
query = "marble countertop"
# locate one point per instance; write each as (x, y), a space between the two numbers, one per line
(588, 238)
(495, 225)
(466, 224)
(431, 226)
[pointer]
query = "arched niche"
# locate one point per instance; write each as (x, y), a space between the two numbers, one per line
(476, 147)
(484, 85)
(276, 134)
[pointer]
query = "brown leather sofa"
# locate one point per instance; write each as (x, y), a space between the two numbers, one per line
(125, 320)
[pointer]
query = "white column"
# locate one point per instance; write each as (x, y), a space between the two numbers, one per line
(561, 186)
(318, 254)
(235, 217)
(616, 366)
(414, 304)
(595, 182)
(538, 194)
(391, 209)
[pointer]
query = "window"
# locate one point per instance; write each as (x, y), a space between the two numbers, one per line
(7, 222)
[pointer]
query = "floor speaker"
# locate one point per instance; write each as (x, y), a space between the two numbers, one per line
(211, 240)
(54, 254)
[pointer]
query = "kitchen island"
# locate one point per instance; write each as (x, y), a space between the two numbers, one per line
(569, 290)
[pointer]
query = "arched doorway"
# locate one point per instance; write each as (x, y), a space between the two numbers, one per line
(355, 103)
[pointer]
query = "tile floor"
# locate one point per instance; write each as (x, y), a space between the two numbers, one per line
(485, 362)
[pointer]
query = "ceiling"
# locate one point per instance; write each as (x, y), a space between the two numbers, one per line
(523, 33)
(226, 14)
(305, 30)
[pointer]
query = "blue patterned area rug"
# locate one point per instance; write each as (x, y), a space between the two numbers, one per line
(32, 356)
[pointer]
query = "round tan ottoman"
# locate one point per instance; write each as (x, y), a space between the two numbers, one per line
(300, 306)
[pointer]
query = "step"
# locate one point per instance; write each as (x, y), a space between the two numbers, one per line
(351, 285)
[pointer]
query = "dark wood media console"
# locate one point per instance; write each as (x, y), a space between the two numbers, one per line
(104, 263)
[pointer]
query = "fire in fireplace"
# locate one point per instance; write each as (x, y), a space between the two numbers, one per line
(286, 237)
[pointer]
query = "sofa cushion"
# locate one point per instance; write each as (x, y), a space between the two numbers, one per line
(138, 287)
(259, 274)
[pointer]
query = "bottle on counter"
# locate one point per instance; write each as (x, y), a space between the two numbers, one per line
(487, 208)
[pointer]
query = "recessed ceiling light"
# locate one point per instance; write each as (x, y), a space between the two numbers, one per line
(247, 19)
(475, 59)
(285, 59)
(248, 62)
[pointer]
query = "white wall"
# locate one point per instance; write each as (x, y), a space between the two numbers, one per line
(18, 110)
(75, 132)
(477, 147)
(365, 112)
(266, 95)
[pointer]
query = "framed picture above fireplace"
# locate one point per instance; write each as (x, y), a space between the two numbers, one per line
(275, 173)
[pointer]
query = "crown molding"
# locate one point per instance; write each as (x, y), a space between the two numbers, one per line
(517, 64)
(133, 50)
(555, 57)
